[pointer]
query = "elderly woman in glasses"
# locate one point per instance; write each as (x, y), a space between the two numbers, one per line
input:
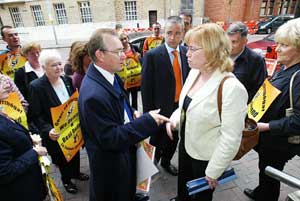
(208, 143)
(52, 90)
(280, 126)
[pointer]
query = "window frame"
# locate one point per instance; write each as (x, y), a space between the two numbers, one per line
(85, 11)
(16, 16)
(37, 14)
(130, 10)
(60, 13)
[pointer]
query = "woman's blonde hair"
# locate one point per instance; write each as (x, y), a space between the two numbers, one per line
(289, 33)
(30, 46)
(216, 46)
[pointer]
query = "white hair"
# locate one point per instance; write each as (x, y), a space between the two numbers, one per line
(47, 55)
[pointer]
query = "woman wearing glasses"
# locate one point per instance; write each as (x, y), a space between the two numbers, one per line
(207, 144)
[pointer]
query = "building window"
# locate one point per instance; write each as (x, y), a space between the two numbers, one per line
(85, 11)
(285, 7)
(130, 10)
(37, 15)
(263, 8)
(16, 17)
(61, 14)
(271, 7)
(280, 7)
(187, 6)
(293, 6)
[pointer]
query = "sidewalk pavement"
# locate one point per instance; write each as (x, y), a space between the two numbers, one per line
(164, 185)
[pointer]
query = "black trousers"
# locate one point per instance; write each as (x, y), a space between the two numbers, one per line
(70, 169)
(134, 96)
(190, 169)
(269, 188)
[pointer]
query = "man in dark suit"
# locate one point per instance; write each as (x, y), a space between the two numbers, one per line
(249, 67)
(162, 83)
(109, 125)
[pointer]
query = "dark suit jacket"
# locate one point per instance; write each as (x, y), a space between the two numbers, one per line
(110, 142)
(250, 69)
(23, 79)
(42, 98)
(20, 173)
(158, 81)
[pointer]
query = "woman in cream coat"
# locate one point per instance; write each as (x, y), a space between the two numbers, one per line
(207, 144)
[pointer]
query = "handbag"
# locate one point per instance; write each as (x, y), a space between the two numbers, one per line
(290, 111)
(250, 133)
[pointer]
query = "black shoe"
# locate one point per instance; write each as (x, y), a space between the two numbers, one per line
(141, 197)
(171, 169)
(83, 177)
(249, 193)
(71, 187)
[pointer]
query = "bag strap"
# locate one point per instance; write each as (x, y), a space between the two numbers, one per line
(291, 88)
(220, 90)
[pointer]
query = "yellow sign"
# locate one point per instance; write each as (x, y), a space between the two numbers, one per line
(10, 62)
(154, 43)
(131, 73)
(65, 119)
(262, 100)
(13, 108)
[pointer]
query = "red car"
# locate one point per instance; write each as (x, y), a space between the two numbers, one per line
(266, 46)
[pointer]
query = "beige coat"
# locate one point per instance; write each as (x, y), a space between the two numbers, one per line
(206, 138)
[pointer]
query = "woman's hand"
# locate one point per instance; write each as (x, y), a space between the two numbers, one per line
(170, 126)
(53, 135)
(211, 182)
(160, 119)
(40, 150)
(136, 114)
(263, 126)
(36, 139)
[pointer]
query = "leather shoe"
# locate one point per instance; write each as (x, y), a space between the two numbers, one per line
(171, 169)
(141, 197)
(249, 193)
(173, 199)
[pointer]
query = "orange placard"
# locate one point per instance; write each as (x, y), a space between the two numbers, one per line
(150, 151)
(65, 118)
(10, 62)
(13, 108)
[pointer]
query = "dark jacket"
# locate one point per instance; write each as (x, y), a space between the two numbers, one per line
(23, 79)
(20, 173)
(158, 81)
(282, 127)
(109, 142)
(42, 98)
(250, 69)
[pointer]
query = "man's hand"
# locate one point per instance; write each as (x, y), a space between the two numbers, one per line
(41, 151)
(160, 119)
(136, 114)
(36, 139)
(263, 126)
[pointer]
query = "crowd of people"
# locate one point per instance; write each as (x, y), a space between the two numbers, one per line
(178, 73)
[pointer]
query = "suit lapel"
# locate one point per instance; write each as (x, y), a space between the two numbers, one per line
(207, 90)
(166, 59)
(50, 91)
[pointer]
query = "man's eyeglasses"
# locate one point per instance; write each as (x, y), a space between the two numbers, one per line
(193, 49)
(117, 52)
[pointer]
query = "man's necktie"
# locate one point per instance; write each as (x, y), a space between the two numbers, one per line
(126, 106)
(177, 74)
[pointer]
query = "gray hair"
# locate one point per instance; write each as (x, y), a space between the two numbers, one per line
(47, 55)
(174, 20)
(289, 33)
(237, 27)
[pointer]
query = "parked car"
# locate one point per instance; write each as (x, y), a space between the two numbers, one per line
(137, 40)
(272, 23)
(265, 47)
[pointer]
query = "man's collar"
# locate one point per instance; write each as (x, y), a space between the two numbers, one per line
(236, 57)
(107, 75)
(170, 49)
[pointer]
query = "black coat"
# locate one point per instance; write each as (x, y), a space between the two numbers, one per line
(23, 79)
(42, 98)
(158, 81)
(109, 142)
(250, 69)
(20, 173)
(282, 127)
